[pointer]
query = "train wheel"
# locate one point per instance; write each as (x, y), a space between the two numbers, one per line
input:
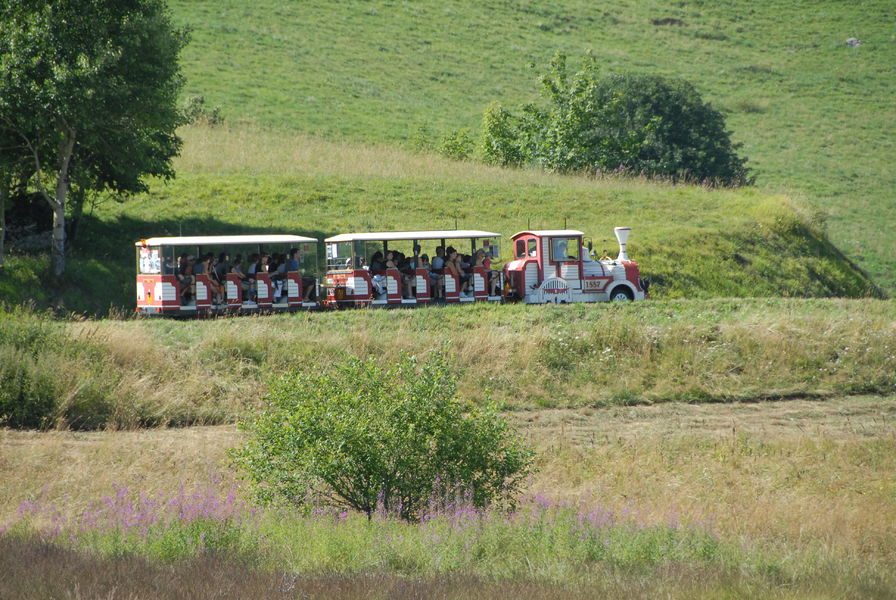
(621, 294)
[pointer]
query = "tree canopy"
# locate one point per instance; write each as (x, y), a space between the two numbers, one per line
(88, 92)
(637, 124)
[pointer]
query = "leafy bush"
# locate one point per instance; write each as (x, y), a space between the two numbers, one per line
(27, 391)
(641, 124)
(457, 145)
(498, 142)
(195, 110)
(369, 437)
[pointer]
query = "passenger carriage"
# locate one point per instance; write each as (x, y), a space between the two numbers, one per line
(164, 287)
(350, 281)
(554, 266)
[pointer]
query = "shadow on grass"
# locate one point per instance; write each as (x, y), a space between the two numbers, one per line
(100, 269)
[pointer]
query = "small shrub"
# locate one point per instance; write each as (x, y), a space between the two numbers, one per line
(457, 145)
(365, 436)
(498, 144)
(195, 110)
(27, 391)
(422, 137)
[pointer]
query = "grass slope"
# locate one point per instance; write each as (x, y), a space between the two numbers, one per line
(144, 373)
(691, 241)
(815, 116)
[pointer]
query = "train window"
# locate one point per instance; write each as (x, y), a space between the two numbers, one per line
(339, 256)
(565, 249)
(533, 247)
(150, 261)
(521, 248)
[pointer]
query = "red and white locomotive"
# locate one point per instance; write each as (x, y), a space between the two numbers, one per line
(553, 266)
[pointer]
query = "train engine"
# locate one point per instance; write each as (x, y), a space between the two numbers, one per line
(553, 266)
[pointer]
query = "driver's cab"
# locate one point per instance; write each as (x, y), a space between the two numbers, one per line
(546, 254)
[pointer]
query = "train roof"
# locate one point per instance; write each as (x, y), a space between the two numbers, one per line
(224, 240)
(390, 236)
(551, 233)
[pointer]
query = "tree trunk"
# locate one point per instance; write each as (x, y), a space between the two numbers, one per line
(4, 191)
(77, 197)
(58, 250)
(66, 146)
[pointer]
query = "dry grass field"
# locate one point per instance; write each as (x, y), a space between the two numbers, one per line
(807, 484)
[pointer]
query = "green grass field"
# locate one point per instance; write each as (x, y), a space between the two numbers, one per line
(692, 242)
(815, 116)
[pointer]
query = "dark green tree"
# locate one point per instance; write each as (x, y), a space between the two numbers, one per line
(638, 124)
(89, 89)
(360, 435)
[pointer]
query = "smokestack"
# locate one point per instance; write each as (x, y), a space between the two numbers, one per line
(622, 238)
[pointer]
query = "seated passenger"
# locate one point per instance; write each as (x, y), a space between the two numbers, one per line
(222, 268)
(217, 274)
(278, 276)
(293, 264)
(438, 262)
(481, 261)
(199, 267)
(452, 265)
(464, 265)
(376, 263)
(408, 268)
(264, 264)
(309, 284)
(185, 277)
(237, 269)
(205, 268)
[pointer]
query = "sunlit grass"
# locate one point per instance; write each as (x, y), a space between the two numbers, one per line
(815, 116)
(147, 372)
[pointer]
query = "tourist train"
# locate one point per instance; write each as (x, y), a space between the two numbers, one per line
(237, 274)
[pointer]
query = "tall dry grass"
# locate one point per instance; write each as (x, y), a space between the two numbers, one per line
(32, 570)
(253, 151)
(126, 374)
(800, 487)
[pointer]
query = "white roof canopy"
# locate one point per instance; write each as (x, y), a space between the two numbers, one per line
(552, 232)
(390, 236)
(224, 240)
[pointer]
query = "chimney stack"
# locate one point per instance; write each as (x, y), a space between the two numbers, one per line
(622, 237)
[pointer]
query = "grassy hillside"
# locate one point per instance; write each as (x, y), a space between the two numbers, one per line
(141, 372)
(691, 241)
(815, 116)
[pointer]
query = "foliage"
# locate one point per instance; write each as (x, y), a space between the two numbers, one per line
(196, 111)
(498, 144)
(89, 90)
(456, 145)
(364, 435)
(641, 124)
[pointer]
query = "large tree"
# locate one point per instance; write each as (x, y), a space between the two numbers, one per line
(89, 89)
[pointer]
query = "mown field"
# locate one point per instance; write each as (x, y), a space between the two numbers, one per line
(815, 116)
(787, 500)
